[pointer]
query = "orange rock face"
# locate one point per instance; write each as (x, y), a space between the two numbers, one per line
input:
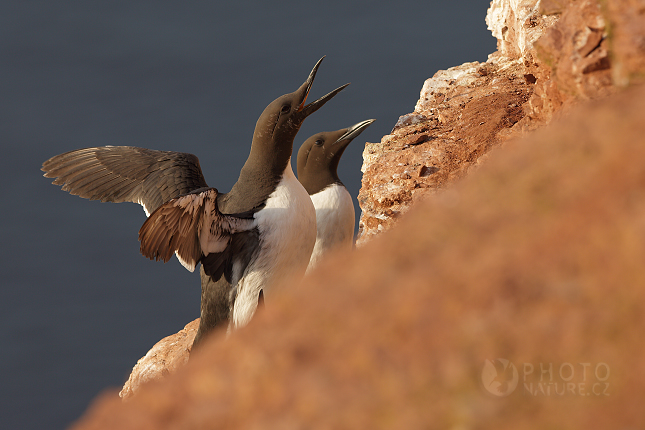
(626, 20)
(551, 55)
(536, 258)
(460, 117)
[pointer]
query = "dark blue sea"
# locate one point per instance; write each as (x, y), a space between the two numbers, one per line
(78, 303)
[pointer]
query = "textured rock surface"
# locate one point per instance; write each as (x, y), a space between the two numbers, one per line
(536, 257)
(516, 24)
(460, 116)
(551, 55)
(165, 357)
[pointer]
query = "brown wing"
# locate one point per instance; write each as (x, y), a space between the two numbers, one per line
(126, 174)
(190, 226)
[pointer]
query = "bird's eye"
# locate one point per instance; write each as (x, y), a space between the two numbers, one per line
(319, 142)
(285, 109)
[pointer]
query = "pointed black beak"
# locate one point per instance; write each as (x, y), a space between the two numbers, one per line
(314, 106)
(306, 87)
(352, 132)
(308, 83)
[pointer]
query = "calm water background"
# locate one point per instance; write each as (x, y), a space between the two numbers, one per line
(78, 303)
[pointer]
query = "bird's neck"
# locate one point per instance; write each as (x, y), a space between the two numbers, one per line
(316, 181)
(259, 177)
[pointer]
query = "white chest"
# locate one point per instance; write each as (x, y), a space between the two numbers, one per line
(287, 226)
(334, 221)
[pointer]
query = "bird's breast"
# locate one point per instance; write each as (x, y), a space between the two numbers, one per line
(334, 221)
(287, 228)
(287, 215)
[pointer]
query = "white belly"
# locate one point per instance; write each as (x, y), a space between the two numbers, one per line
(334, 221)
(287, 226)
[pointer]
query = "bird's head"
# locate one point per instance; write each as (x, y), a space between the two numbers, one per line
(283, 117)
(318, 157)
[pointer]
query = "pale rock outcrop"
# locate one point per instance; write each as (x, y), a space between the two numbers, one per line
(164, 358)
(516, 24)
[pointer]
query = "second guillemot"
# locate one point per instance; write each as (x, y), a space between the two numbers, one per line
(318, 159)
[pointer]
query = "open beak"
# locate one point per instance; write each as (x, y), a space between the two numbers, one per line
(352, 132)
(314, 106)
(308, 83)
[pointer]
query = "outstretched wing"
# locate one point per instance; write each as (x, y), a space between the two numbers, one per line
(126, 174)
(192, 227)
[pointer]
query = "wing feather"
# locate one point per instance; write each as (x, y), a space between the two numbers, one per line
(190, 226)
(126, 174)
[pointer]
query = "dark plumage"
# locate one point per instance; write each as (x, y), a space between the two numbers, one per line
(126, 174)
(318, 156)
(191, 226)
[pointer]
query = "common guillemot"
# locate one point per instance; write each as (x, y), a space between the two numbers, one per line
(318, 159)
(246, 239)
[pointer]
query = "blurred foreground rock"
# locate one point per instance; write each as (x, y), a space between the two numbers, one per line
(551, 55)
(536, 257)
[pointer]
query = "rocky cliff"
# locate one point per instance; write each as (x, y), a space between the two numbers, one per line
(535, 256)
(551, 55)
